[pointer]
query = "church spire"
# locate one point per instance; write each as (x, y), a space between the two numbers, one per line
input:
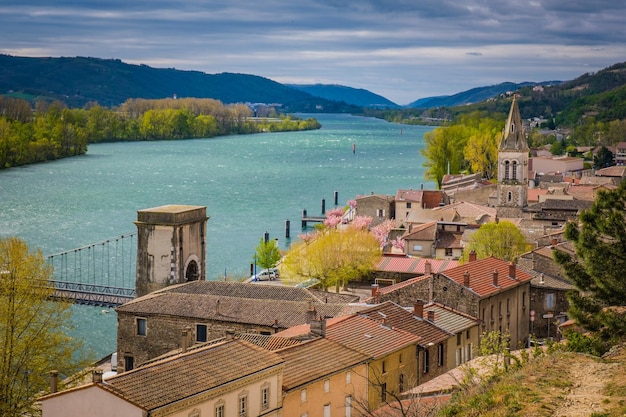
(513, 137)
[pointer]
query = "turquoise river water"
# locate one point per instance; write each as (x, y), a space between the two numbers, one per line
(250, 184)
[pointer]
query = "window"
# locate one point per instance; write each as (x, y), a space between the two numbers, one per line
(141, 326)
(401, 383)
(448, 251)
(509, 197)
(201, 333)
(506, 170)
(426, 361)
(492, 309)
(348, 377)
(384, 367)
(303, 396)
(550, 301)
(458, 339)
(484, 317)
(219, 409)
(326, 410)
(129, 363)
(514, 170)
(500, 310)
(327, 385)
(508, 307)
(265, 398)
(524, 299)
(408, 205)
(383, 392)
(440, 354)
(400, 358)
(380, 212)
(349, 406)
(243, 405)
(467, 334)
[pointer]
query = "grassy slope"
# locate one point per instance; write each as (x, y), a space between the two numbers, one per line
(559, 383)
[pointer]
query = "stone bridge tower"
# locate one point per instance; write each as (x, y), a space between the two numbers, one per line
(171, 246)
(513, 166)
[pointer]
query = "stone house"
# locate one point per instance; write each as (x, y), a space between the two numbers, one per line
(491, 289)
(440, 240)
(392, 269)
(620, 153)
(548, 289)
(415, 201)
(226, 378)
(432, 348)
(322, 378)
(464, 328)
(151, 325)
(393, 363)
(377, 206)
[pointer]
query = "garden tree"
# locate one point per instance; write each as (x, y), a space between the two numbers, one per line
(267, 254)
(443, 152)
(333, 256)
(603, 158)
(481, 150)
(597, 270)
(471, 142)
(500, 239)
(33, 329)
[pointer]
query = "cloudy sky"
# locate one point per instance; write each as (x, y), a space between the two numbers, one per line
(400, 49)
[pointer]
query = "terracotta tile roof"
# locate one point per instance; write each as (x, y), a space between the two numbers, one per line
(549, 281)
(450, 240)
(534, 193)
(481, 275)
(267, 342)
(176, 378)
(426, 231)
(316, 359)
(370, 337)
(228, 309)
(412, 265)
(255, 291)
(399, 318)
(413, 196)
(436, 214)
(468, 210)
(614, 171)
(451, 320)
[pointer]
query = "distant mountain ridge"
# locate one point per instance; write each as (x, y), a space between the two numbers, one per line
(474, 95)
(110, 82)
(355, 96)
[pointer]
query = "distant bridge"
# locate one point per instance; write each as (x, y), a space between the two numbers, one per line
(100, 274)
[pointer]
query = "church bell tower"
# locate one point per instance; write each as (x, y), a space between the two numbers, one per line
(513, 166)
(171, 246)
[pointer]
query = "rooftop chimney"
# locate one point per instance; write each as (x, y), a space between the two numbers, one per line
(495, 277)
(54, 381)
(318, 327)
(466, 279)
(427, 268)
(512, 271)
(96, 376)
(431, 316)
(311, 314)
(374, 290)
(184, 340)
(472, 256)
(418, 309)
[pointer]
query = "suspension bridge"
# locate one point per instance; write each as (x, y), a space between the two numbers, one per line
(100, 274)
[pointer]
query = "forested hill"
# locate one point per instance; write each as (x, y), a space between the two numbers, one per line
(110, 82)
(356, 96)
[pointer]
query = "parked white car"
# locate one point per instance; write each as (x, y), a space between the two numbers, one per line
(264, 275)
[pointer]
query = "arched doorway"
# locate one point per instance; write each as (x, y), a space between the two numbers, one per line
(192, 273)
